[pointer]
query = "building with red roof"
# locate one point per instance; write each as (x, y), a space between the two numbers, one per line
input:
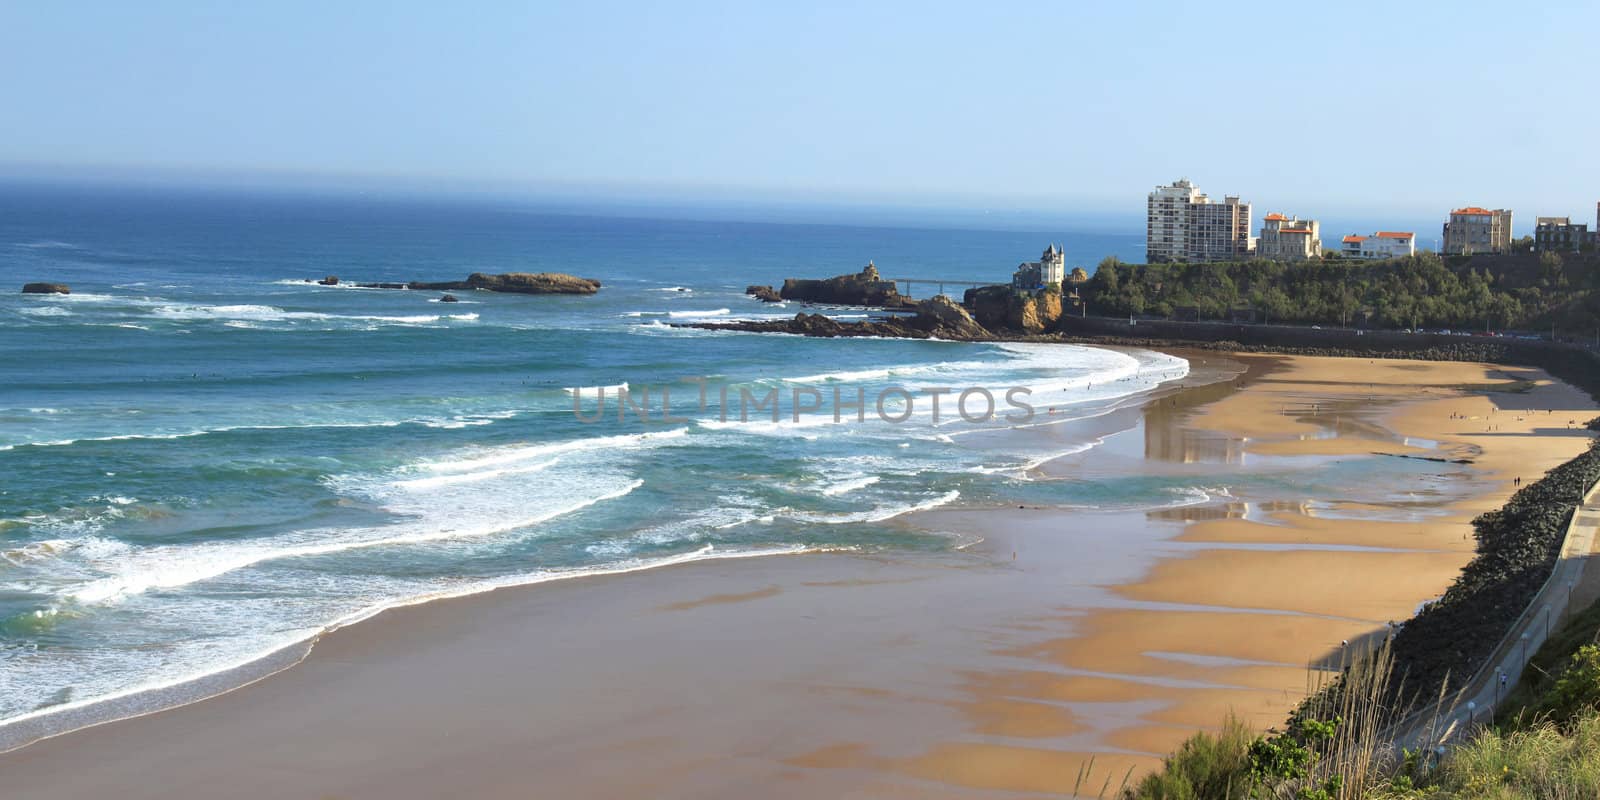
(1380, 245)
(1474, 229)
(1289, 238)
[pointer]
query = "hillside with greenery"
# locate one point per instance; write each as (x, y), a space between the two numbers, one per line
(1545, 744)
(1512, 292)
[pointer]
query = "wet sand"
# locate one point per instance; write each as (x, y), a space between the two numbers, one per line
(1038, 662)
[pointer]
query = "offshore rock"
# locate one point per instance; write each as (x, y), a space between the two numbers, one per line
(865, 288)
(943, 317)
(331, 280)
(449, 298)
(765, 294)
(516, 283)
(46, 288)
(939, 317)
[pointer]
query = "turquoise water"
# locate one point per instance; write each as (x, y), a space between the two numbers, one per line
(206, 459)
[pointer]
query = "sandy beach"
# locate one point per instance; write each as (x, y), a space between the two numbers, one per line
(1035, 662)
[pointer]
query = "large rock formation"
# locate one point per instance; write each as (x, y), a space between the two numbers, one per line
(46, 288)
(517, 283)
(1005, 308)
(763, 293)
(944, 318)
(863, 289)
(940, 317)
(1036, 313)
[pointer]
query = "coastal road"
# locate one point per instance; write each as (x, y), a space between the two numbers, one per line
(1570, 582)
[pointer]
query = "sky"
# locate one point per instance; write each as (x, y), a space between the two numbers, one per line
(1380, 114)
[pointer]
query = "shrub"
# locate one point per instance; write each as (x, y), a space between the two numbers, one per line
(1209, 766)
(1577, 689)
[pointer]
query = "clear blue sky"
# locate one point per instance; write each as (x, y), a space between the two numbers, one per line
(1350, 109)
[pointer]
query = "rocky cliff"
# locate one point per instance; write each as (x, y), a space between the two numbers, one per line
(865, 288)
(1005, 308)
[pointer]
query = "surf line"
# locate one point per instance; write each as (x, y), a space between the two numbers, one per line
(891, 404)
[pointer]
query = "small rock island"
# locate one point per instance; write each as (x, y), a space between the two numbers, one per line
(508, 282)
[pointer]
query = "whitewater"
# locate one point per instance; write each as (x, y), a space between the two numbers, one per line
(211, 461)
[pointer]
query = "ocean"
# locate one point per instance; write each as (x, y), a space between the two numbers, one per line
(205, 459)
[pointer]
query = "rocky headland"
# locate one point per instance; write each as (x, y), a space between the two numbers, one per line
(1005, 308)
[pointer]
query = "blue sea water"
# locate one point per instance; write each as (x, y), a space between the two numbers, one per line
(204, 458)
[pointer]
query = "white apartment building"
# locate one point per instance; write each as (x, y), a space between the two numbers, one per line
(1289, 238)
(1380, 245)
(1183, 224)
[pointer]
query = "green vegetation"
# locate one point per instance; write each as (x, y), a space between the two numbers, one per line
(1540, 762)
(1521, 292)
(1545, 744)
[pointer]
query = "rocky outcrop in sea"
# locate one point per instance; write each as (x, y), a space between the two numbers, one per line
(46, 288)
(510, 282)
(939, 317)
(517, 283)
(765, 294)
(865, 288)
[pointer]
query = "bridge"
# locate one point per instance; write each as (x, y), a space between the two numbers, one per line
(937, 282)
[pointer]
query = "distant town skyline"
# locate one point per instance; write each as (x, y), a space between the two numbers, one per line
(1394, 116)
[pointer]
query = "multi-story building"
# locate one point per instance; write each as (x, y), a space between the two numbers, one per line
(1557, 234)
(1049, 270)
(1477, 230)
(1289, 238)
(1380, 245)
(1186, 225)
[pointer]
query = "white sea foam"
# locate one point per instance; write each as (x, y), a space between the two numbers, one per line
(490, 457)
(949, 368)
(166, 567)
(259, 650)
(45, 311)
(879, 514)
(472, 477)
(847, 486)
(594, 391)
(247, 314)
(716, 312)
(462, 421)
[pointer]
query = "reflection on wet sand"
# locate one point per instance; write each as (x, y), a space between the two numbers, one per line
(1265, 591)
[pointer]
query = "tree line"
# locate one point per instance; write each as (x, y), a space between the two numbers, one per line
(1494, 292)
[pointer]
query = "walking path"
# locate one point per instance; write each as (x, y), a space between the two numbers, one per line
(1568, 582)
